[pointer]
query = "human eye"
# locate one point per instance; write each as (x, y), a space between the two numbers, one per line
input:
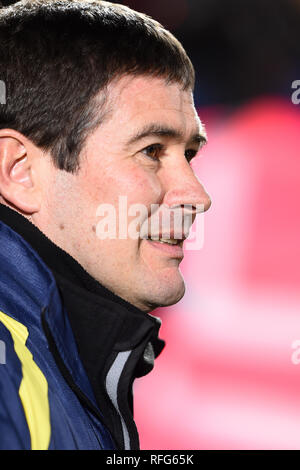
(153, 151)
(190, 154)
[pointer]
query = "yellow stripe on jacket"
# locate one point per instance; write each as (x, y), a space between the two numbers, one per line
(33, 389)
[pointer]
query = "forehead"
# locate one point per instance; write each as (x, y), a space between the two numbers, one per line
(135, 101)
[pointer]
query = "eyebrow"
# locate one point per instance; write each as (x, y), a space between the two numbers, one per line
(157, 130)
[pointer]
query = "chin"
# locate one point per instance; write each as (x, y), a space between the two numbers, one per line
(165, 295)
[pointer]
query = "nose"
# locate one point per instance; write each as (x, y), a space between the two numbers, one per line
(184, 188)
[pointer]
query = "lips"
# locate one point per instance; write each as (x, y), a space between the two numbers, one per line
(169, 237)
(170, 241)
(174, 250)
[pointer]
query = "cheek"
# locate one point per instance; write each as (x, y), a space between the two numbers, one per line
(142, 186)
(136, 183)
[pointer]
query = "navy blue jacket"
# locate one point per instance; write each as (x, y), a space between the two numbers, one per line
(38, 408)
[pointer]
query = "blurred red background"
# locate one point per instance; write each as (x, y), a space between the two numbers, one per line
(226, 379)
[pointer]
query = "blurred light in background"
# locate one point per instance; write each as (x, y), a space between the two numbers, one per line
(227, 378)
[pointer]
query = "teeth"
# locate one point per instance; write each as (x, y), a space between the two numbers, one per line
(169, 241)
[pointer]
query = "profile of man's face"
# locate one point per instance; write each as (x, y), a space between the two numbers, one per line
(140, 152)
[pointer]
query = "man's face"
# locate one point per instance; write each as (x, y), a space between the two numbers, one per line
(140, 152)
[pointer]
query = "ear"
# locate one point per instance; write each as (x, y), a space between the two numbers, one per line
(18, 172)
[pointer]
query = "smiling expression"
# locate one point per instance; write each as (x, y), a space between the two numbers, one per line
(142, 151)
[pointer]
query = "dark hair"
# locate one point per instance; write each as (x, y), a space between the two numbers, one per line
(56, 56)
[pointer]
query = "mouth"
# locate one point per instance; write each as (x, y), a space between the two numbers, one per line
(170, 246)
(169, 237)
(168, 241)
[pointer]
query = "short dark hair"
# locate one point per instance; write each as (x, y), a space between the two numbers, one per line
(56, 56)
